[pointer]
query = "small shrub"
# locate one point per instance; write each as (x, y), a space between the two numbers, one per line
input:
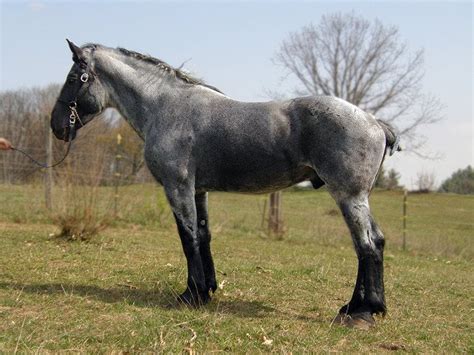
(81, 226)
(82, 209)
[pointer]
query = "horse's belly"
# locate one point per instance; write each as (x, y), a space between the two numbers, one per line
(255, 180)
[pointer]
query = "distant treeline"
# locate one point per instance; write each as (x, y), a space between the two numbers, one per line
(25, 121)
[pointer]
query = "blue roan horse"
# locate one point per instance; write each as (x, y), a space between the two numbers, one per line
(199, 140)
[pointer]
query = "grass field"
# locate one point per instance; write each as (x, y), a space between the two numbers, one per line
(117, 292)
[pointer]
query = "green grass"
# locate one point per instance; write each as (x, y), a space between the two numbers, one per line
(117, 292)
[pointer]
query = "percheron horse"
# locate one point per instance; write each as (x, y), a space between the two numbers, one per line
(197, 140)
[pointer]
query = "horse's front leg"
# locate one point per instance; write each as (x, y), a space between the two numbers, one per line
(181, 198)
(204, 235)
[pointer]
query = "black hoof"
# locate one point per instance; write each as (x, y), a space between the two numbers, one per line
(358, 307)
(212, 286)
(194, 299)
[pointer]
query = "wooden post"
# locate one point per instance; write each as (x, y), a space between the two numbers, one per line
(404, 241)
(264, 213)
(117, 173)
(48, 173)
(275, 222)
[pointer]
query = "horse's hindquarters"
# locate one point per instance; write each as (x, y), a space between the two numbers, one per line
(346, 145)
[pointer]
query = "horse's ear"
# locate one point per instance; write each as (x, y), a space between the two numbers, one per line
(77, 53)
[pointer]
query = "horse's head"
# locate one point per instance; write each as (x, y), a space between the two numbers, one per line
(82, 96)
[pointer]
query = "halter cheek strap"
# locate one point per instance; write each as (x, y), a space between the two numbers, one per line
(74, 115)
(84, 78)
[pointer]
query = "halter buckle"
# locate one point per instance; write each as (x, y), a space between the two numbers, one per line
(84, 77)
(72, 119)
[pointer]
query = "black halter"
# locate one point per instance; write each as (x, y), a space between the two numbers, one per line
(86, 75)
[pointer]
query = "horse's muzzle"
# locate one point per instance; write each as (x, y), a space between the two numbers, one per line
(65, 134)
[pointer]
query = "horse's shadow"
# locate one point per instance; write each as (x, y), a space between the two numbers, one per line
(164, 298)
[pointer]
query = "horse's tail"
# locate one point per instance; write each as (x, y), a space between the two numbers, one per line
(391, 138)
(392, 142)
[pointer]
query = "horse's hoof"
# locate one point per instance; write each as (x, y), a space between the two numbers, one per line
(212, 286)
(363, 321)
(192, 299)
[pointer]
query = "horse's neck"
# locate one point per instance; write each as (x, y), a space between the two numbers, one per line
(132, 91)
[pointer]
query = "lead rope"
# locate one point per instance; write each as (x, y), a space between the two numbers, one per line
(72, 122)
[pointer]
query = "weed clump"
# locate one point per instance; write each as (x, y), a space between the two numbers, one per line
(83, 206)
(81, 226)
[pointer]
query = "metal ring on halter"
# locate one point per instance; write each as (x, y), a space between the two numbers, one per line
(84, 77)
(74, 116)
(72, 104)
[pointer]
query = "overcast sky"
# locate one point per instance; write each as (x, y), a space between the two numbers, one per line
(230, 44)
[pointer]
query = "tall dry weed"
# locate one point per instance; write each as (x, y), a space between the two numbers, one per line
(82, 209)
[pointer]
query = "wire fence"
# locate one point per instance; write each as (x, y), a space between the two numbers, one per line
(114, 183)
(109, 168)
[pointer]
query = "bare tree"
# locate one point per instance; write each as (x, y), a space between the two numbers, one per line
(425, 181)
(367, 64)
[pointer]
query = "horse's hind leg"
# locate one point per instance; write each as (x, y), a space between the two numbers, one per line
(347, 152)
(368, 297)
(204, 236)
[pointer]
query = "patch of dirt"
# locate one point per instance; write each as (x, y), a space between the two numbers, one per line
(333, 212)
(392, 346)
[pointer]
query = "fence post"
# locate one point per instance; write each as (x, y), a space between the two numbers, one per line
(275, 222)
(405, 198)
(117, 172)
(48, 173)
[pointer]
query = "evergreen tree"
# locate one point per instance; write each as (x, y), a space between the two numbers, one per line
(460, 182)
(392, 180)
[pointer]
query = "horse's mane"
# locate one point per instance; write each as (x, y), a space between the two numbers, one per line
(177, 72)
